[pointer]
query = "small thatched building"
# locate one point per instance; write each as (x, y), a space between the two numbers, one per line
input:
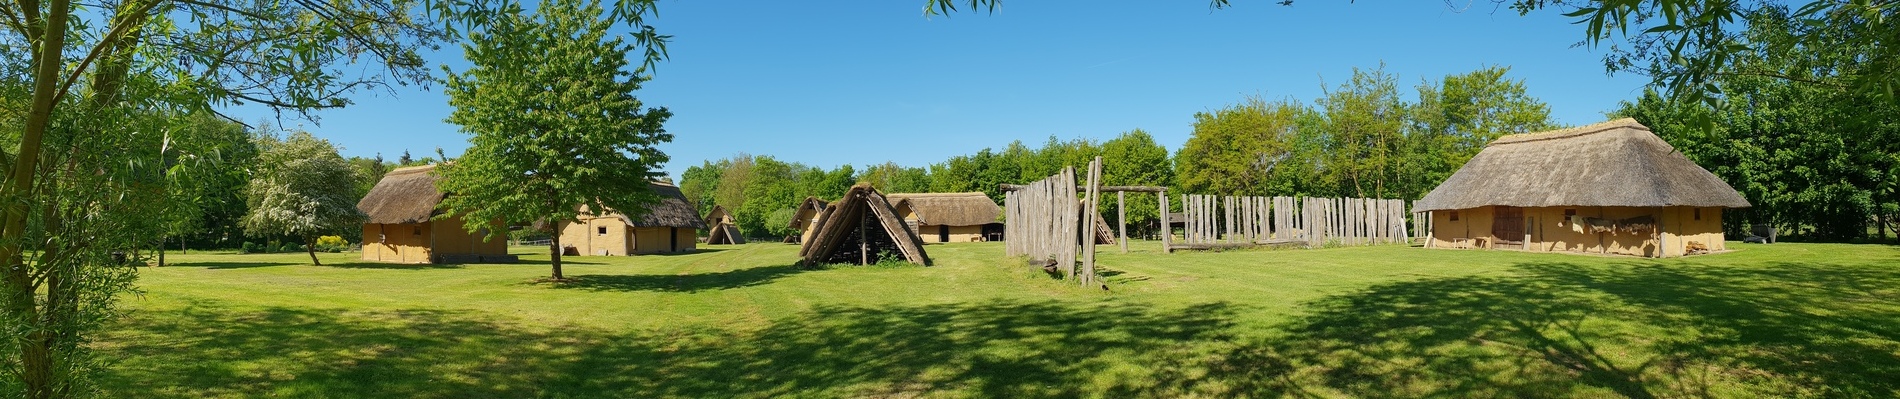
(401, 228)
(804, 217)
(948, 217)
(725, 230)
(861, 227)
(672, 225)
(1612, 188)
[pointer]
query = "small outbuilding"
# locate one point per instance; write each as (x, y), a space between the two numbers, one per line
(948, 217)
(671, 225)
(725, 230)
(402, 226)
(804, 216)
(861, 227)
(1608, 188)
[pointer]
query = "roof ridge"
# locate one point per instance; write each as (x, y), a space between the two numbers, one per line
(1571, 132)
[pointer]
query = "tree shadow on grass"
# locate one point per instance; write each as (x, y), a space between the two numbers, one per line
(340, 265)
(991, 349)
(738, 278)
(1563, 329)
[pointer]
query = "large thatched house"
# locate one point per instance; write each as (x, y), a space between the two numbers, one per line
(671, 226)
(1612, 187)
(724, 230)
(401, 228)
(947, 217)
(861, 227)
(802, 219)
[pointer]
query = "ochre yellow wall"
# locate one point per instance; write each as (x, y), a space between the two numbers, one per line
(396, 243)
(451, 238)
(930, 233)
(622, 239)
(1550, 231)
(809, 217)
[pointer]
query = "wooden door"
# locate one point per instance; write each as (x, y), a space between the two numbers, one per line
(1508, 226)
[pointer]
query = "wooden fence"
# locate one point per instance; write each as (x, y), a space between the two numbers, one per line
(1210, 221)
(1044, 221)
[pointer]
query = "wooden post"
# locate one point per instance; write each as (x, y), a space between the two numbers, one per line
(1167, 224)
(1093, 207)
(1121, 218)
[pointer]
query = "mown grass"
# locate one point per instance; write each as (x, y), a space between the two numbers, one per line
(1784, 320)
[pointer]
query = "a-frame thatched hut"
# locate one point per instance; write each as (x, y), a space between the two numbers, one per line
(724, 229)
(804, 217)
(947, 217)
(861, 227)
(402, 229)
(672, 225)
(1611, 188)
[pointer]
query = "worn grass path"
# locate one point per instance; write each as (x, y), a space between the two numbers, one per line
(1787, 320)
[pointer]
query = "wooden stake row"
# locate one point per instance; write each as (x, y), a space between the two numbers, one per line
(1227, 221)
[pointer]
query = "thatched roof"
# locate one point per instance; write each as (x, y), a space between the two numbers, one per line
(404, 195)
(953, 209)
(1615, 163)
(723, 229)
(811, 204)
(671, 211)
(842, 227)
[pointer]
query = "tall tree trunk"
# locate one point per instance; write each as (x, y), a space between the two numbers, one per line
(554, 253)
(161, 252)
(310, 245)
(35, 349)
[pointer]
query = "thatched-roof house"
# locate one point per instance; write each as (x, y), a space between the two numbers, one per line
(948, 217)
(802, 219)
(672, 225)
(861, 227)
(1612, 187)
(725, 230)
(401, 227)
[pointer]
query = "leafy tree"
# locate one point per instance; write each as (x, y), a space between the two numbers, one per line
(891, 178)
(699, 183)
(1364, 123)
(207, 163)
(1246, 149)
(549, 102)
(1132, 159)
(1456, 117)
(303, 189)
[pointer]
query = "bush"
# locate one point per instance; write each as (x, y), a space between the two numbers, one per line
(248, 248)
(332, 244)
(291, 247)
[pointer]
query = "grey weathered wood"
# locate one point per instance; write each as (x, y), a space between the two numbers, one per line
(1167, 224)
(1121, 218)
(1116, 189)
(1094, 209)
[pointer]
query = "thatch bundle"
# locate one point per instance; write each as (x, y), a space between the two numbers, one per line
(810, 206)
(861, 227)
(404, 195)
(1615, 163)
(949, 209)
(671, 211)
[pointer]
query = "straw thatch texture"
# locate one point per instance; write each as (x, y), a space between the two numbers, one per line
(724, 229)
(951, 209)
(404, 195)
(671, 211)
(859, 227)
(810, 206)
(1615, 163)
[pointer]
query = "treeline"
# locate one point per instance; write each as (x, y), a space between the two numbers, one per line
(209, 164)
(1814, 157)
(1362, 139)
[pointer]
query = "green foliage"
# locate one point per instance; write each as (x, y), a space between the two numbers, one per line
(1693, 48)
(332, 244)
(301, 188)
(548, 101)
(1251, 148)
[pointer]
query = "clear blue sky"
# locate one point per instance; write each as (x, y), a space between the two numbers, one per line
(862, 82)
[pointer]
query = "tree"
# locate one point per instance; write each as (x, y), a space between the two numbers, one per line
(87, 66)
(1246, 149)
(302, 189)
(1134, 159)
(1456, 117)
(548, 101)
(207, 163)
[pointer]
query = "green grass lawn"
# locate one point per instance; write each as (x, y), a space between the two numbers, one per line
(1784, 320)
